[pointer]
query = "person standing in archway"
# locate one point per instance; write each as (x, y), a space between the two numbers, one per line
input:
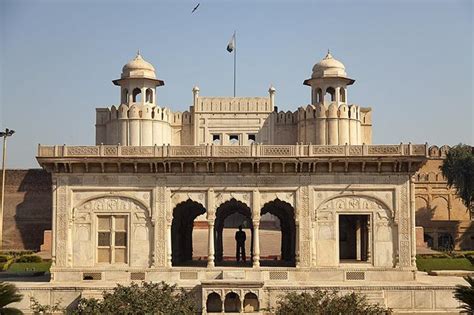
(240, 238)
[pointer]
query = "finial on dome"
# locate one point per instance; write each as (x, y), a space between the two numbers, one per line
(138, 52)
(328, 55)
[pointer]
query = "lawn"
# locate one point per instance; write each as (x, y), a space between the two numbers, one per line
(428, 264)
(30, 267)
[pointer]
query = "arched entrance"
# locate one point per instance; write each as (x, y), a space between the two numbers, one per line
(232, 303)
(225, 210)
(214, 303)
(251, 303)
(286, 215)
(182, 231)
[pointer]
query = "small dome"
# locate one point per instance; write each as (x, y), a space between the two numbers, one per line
(138, 68)
(329, 67)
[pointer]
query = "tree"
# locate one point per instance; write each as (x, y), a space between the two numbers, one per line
(458, 169)
(9, 294)
(318, 302)
(465, 295)
(147, 298)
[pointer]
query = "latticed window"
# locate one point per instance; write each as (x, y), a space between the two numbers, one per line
(112, 239)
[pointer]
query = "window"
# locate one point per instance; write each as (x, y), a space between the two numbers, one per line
(149, 96)
(234, 139)
(251, 138)
(112, 239)
(216, 139)
(137, 95)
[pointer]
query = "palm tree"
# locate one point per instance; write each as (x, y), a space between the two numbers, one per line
(465, 295)
(9, 294)
(458, 169)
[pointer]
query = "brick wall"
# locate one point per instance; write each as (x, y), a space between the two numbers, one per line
(28, 208)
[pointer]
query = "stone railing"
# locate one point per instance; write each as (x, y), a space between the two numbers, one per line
(254, 150)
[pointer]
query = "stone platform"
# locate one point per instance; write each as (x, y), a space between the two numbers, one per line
(427, 294)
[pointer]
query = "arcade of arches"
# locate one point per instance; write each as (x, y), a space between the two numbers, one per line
(185, 213)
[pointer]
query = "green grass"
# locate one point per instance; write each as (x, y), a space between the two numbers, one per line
(428, 264)
(30, 267)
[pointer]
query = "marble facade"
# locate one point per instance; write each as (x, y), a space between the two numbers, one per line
(122, 208)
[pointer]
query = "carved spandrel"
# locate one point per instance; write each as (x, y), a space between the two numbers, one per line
(244, 197)
(179, 197)
(288, 197)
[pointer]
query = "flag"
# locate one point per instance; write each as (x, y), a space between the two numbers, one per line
(231, 44)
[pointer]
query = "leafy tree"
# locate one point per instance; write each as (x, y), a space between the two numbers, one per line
(465, 295)
(147, 298)
(318, 302)
(9, 294)
(458, 169)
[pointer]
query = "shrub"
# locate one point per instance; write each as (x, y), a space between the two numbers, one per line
(38, 308)
(147, 298)
(29, 259)
(465, 295)
(9, 294)
(4, 258)
(323, 302)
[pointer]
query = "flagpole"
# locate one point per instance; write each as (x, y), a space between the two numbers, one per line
(235, 59)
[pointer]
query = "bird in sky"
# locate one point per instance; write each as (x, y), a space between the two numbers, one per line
(196, 7)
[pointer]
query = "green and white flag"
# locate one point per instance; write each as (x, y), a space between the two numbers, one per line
(231, 45)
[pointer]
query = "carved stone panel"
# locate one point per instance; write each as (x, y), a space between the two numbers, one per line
(286, 196)
(242, 196)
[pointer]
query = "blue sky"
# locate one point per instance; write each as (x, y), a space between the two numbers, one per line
(412, 61)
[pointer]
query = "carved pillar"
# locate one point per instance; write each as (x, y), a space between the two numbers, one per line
(413, 223)
(256, 227)
(297, 243)
(169, 220)
(211, 216)
(256, 244)
(369, 239)
(53, 240)
(313, 243)
(358, 240)
(241, 298)
(168, 245)
(210, 244)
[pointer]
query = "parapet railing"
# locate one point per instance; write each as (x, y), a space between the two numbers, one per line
(237, 151)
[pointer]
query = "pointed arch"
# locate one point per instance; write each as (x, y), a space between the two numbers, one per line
(223, 211)
(286, 214)
(182, 226)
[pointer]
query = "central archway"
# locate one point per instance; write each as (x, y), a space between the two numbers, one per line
(286, 215)
(182, 226)
(225, 210)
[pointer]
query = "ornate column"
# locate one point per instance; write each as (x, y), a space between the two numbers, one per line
(369, 239)
(413, 222)
(169, 220)
(210, 244)
(168, 245)
(313, 243)
(256, 227)
(297, 243)
(256, 244)
(358, 240)
(210, 225)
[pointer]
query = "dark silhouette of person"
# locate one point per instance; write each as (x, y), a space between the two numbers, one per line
(240, 248)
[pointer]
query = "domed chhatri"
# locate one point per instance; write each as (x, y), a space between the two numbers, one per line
(138, 67)
(329, 67)
(138, 82)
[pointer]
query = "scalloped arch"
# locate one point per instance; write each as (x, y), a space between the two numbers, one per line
(326, 203)
(104, 196)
